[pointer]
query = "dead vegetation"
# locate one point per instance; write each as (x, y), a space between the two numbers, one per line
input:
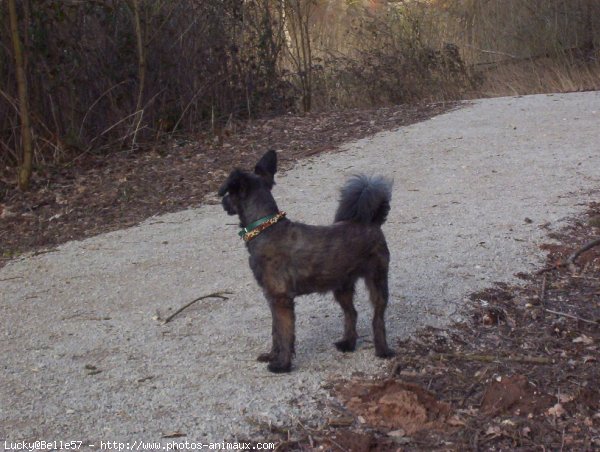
(108, 76)
(95, 194)
(563, 73)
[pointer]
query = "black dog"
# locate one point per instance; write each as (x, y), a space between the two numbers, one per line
(290, 259)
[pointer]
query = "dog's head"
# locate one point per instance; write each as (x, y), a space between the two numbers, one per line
(243, 191)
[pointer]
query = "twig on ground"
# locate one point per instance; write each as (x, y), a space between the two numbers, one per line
(212, 295)
(583, 249)
(552, 267)
(571, 316)
(493, 52)
(570, 261)
(336, 444)
(340, 421)
(495, 358)
(542, 295)
(9, 279)
(40, 252)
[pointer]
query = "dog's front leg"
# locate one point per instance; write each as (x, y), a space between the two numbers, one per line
(284, 336)
(270, 356)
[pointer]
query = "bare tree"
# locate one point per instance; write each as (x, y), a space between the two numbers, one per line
(297, 19)
(26, 138)
(141, 53)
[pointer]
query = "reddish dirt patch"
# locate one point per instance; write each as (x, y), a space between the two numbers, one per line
(395, 405)
(514, 394)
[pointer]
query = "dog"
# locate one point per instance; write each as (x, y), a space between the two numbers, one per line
(289, 259)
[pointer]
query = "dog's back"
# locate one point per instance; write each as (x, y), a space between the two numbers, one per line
(304, 258)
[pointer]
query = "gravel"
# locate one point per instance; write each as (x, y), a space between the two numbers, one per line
(83, 356)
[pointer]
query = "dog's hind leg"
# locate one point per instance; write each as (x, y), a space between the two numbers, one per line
(344, 297)
(377, 283)
(284, 334)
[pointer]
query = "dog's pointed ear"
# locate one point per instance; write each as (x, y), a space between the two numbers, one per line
(267, 167)
(236, 182)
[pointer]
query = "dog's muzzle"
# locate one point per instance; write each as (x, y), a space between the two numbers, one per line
(228, 205)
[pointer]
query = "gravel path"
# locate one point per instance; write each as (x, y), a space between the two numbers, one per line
(83, 358)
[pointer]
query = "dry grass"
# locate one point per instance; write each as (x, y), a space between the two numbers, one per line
(86, 83)
(543, 75)
(371, 53)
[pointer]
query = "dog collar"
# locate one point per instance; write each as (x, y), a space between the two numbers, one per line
(256, 227)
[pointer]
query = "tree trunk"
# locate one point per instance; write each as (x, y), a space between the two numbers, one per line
(298, 19)
(26, 138)
(139, 35)
(588, 42)
(141, 53)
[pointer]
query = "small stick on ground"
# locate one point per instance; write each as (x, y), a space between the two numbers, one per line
(336, 444)
(212, 295)
(340, 421)
(571, 316)
(583, 249)
(552, 267)
(571, 259)
(542, 295)
(494, 358)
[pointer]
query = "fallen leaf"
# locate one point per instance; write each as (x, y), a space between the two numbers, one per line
(565, 398)
(455, 421)
(493, 430)
(5, 212)
(469, 411)
(557, 410)
(583, 339)
(401, 439)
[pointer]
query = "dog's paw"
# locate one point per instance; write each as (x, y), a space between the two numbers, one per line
(385, 354)
(345, 345)
(278, 368)
(265, 357)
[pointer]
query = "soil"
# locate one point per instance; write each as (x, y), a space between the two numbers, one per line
(394, 405)
(520, 374)
(92, 194)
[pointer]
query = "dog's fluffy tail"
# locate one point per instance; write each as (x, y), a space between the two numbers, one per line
(365, 200)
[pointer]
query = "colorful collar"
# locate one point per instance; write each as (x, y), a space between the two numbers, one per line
(256, 227)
